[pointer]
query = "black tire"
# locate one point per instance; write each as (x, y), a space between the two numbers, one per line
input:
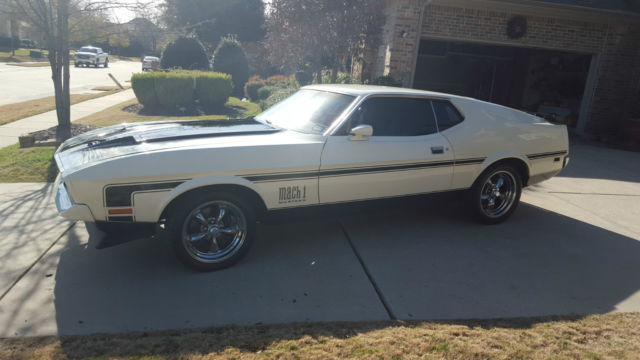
(505, 199)
(106, 63)
(76, 64)
(182, 223)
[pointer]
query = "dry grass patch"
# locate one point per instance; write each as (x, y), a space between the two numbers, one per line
(118, 115)
(615, 336)
(30, 64)
(110, 88)
(17, 111)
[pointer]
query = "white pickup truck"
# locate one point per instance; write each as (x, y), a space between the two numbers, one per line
(89, 55)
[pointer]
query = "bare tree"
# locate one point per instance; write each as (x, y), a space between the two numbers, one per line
(321, 32)
(52, 19)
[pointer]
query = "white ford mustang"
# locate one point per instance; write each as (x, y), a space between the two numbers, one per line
(208, 182)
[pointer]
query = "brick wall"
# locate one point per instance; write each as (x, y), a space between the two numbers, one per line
(616, 44)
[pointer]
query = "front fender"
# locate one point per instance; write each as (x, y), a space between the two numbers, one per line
(199, 183)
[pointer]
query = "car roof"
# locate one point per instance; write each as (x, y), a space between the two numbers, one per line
(360, 90)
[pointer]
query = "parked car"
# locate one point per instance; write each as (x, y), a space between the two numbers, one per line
(208, 183)
(150, 63)
(91, 56)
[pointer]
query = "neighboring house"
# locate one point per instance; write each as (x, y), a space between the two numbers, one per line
(579, 59)
(145, 32)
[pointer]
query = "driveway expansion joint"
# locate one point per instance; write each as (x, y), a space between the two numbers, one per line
(377, 289)
(26, 271)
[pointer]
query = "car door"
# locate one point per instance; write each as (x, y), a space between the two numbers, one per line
(405, 155)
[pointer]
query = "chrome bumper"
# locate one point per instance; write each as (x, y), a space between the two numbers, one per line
(67, 208)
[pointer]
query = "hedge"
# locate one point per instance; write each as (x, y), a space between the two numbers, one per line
(175, 89)
(143, 87)
(213, 89)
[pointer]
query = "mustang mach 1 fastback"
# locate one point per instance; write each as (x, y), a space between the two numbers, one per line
(208, 182)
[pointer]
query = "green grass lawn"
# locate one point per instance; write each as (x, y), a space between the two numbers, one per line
(117, 115)
(22, 55)
(27, 165)
(37, 164)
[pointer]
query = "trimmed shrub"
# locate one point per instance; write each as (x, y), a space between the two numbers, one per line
(229, 58)
(251, 89)
(304, 77)
(143, 85)
(175, 89)
(277, 80)
(278, 95)
(264, 93)
(185, 53)
(387, 80)
(213, 89)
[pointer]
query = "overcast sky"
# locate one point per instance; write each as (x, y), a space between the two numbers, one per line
(123, 15)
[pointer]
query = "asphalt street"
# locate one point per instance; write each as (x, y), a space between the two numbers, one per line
(571, 248)
(18, 84)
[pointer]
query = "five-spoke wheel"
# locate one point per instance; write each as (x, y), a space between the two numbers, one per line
(496, 193)
(211, 231)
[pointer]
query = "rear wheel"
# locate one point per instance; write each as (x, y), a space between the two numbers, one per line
(213, 231)
(496, 194)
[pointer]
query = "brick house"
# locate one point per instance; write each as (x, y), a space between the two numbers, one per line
(579, 59)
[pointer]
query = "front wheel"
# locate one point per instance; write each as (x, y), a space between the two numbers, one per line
(213, 231)
(496, 193)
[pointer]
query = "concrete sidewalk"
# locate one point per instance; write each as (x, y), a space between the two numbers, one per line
(10, 132)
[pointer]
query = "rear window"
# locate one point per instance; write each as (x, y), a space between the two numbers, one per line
(447, 114)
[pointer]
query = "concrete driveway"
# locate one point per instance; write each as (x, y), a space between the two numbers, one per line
(573, 247)
(27, 83)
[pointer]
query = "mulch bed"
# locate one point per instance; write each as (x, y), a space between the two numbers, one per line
(47, 137)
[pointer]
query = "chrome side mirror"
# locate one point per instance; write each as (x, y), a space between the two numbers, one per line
(361, 133)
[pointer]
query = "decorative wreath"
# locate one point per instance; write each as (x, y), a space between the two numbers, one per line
(517, 27)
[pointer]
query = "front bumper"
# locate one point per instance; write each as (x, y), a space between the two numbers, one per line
(67, 208)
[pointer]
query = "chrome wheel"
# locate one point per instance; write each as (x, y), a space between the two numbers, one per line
(498, 194)
(214, 231)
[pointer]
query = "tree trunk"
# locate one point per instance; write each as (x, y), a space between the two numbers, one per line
(61, 72)
(319, 77)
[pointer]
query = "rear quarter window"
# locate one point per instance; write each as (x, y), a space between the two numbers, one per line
(448, 115)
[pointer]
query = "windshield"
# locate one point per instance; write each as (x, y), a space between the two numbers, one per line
(307, 111)
(88, 50)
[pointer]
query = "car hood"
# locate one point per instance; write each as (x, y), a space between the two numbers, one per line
(126, 139)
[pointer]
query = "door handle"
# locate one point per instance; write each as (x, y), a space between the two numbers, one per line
(437, 149)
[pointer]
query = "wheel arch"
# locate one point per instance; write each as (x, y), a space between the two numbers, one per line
(244, 190)
(515, 161)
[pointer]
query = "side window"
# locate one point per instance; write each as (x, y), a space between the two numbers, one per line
(393, 116)
(448, 115)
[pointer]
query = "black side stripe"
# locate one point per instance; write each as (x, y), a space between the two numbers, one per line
(545, 155)
(120, 195)
(360, 170)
